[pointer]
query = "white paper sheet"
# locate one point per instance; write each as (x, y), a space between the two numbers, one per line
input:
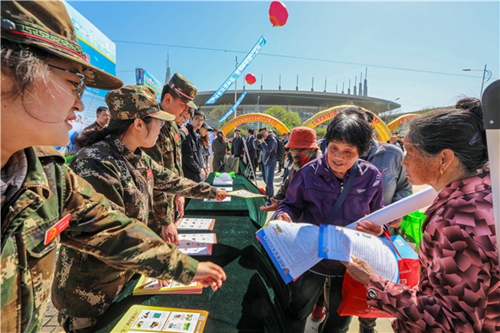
(399, 208)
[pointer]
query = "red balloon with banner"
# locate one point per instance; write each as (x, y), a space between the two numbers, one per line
(250, 79)
(278, 14)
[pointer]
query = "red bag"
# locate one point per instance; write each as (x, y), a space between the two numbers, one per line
(354, 292)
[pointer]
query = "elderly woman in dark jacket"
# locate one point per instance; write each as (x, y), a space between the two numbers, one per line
(310, 197)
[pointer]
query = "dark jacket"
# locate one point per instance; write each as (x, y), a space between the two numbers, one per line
(251, 149)
(237, 146)
(192, 155)
(268, 148)
(313, 191)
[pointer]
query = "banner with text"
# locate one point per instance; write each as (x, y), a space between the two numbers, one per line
(231, 110)
(238, 71)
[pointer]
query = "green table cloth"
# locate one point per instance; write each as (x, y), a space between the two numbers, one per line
(245, 303)
(236, 207)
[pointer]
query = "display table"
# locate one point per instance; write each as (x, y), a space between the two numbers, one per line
(236, 207)
(244, 303)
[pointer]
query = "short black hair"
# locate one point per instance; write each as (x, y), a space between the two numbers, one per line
(263, 129)
(351, 130)
(100, 109)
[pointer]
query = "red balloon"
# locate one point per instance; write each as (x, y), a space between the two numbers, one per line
(278, 14)
(250, 78)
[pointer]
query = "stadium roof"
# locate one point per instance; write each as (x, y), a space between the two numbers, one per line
(322, 100)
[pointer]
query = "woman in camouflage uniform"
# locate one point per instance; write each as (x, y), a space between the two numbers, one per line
(44, 72)
(112, 162)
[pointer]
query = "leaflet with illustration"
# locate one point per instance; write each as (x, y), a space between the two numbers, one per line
(196, 249)
(292, 247)
(151, 286)
(341, 243)
(245, 194)
(187, 239)
(144, 318)
(188, 223)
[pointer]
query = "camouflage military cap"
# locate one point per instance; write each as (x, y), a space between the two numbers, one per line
(131, 102)
(47, 26)
(184, 88)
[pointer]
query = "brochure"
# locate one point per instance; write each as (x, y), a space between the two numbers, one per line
(188, 223)
(245, 194)
(144, 318)
(208, 238)
(150, 286)
(341, 243)
(292, 247)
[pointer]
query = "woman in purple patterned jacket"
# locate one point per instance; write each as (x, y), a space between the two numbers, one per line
(459, 289)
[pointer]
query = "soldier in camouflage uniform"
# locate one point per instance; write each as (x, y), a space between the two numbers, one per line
(177, 99)
(118, 169)
(43, 202)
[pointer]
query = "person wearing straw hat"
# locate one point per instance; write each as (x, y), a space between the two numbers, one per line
(43, 202)
(113, 163)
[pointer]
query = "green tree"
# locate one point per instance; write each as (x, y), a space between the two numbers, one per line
(320, 132)
(290, 118)
(217, 113)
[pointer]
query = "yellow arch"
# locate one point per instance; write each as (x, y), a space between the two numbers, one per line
(380, 127)
(400, 121)
(254, 117)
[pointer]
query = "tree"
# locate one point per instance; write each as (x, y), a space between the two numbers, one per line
(290, 118)
(217, 113)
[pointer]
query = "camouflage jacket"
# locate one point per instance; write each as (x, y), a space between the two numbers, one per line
(167, 152)
(127, 181)
(50, 193)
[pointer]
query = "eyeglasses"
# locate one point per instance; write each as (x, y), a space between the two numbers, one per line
(162, 122)
(80, 86)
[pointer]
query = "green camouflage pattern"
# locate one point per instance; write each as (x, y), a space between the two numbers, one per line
(47, 25)
(86, 286)
(184, 89)
(51, 191)
(166, 152)
(131, 102)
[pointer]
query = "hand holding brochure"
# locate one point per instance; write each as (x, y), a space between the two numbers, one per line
(341, 243)
(399, 208)
(245, 194)
(292, 247)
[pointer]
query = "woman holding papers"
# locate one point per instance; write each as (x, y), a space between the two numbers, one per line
(459, 288)
(111, 160)
(310, 197)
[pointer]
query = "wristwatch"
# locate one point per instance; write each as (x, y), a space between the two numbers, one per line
(372, 293)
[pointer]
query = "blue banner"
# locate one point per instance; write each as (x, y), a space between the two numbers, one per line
(100, 52)
(144, 78)
(231, 110)
(238, 71)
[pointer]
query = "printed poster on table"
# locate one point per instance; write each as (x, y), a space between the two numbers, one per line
(143, 318)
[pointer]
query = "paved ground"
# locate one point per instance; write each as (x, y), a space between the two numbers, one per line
(383, 325)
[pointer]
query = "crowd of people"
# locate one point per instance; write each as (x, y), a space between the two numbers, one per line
(112, 209)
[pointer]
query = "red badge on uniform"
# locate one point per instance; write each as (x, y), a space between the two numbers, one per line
(57, 229)
(177, 136)
(149, 173)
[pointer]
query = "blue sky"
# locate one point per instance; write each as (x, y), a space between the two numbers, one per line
(414, 51)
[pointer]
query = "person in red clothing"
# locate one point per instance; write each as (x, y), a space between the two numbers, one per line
(459, 288)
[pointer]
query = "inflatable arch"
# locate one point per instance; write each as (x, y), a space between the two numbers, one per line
(400, 121)
(381, 128)
(254, 117)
